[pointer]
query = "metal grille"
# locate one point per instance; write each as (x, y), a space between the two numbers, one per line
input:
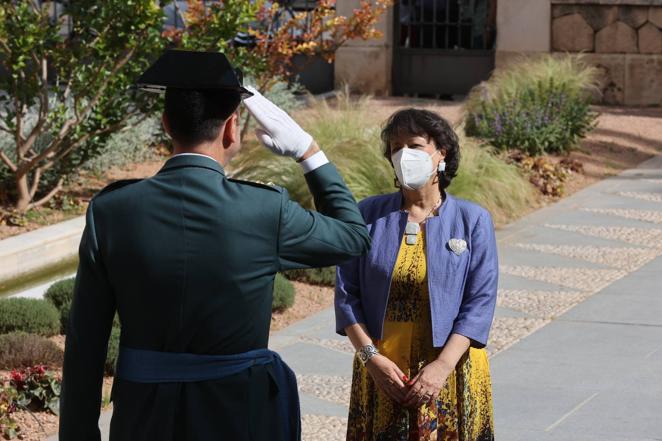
(442, 47)
(445, 24)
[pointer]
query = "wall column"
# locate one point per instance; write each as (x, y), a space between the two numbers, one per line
(366, 65)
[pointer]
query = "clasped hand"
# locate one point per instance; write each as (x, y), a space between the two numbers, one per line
(423, 388)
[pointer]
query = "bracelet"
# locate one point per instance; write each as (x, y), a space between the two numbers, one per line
(366, 353)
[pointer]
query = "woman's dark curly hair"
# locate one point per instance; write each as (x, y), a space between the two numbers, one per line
(419, 122)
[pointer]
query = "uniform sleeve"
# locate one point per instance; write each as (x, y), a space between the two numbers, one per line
(349, 310)
(333, 234)
(90, 322)
(477, 309)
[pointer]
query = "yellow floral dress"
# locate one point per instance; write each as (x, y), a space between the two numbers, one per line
(463, 409)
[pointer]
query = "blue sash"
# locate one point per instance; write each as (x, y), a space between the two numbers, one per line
(144, 366)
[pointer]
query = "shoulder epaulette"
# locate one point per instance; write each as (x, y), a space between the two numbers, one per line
(269, 186)
(117, 184)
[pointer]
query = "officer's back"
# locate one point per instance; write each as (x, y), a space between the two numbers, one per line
(187, 258)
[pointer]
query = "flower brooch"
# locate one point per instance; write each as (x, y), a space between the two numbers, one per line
(458, 246)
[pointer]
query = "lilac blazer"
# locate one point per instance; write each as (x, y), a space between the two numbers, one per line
(462, 287)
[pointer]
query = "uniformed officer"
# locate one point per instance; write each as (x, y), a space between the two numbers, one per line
(187, 258)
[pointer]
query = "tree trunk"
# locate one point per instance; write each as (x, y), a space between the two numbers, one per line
(23, 191)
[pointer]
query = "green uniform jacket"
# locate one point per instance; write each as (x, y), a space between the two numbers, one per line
(188, 258)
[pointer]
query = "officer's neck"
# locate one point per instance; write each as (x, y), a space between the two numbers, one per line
(207, 149)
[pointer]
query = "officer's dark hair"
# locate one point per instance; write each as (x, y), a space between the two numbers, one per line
(196, 116)
(430, 125)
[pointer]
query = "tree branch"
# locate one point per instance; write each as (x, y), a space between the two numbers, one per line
(57, 142)
(84, 138)
(35, 183)
(7, 161)
(49, 196)
(43, 105)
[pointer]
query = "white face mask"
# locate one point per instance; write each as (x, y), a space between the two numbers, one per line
(414, 167)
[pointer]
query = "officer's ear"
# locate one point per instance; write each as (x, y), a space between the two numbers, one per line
(166, 124)
(231, 131)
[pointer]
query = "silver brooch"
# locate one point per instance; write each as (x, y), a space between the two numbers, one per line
(458, 246)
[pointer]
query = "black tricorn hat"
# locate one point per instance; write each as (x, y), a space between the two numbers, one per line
(181, 69)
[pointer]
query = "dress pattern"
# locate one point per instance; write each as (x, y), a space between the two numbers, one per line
(463, 409)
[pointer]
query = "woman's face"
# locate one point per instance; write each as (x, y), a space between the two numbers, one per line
(417, 142)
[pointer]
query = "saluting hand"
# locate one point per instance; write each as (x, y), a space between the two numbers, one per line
(387, 376)
(278, 131)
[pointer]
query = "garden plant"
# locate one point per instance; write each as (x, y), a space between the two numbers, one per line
(68, 81)
(538, 106)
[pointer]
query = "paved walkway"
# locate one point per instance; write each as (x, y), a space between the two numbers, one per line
(593, 372)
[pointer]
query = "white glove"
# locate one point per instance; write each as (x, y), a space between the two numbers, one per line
(279, 132)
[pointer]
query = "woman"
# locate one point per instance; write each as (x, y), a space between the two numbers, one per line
(418, 307)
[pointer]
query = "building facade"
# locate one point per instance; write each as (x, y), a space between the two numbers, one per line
(623, 38)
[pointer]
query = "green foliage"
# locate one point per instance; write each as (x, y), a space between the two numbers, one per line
(18, 350)
(8, 396)
(130, 145)
(34, 316)
(38, 389)
(283, 294)
(60, 294)
(77, 86)
(113, 350)
(486, 179)
(539, 106)
(315, 276)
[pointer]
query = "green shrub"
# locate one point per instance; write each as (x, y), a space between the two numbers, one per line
(491, 182)
(283, 294)
(34, 316)
(64, 318)
(113, 350)
(315, 276)
(61, 293)
(539, 106)
(19, 350)
(130, 145)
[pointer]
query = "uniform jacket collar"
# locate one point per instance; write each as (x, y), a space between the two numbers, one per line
(199, 161)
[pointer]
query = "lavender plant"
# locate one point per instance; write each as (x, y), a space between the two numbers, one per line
(537, 107)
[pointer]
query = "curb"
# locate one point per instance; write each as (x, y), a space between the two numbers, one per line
(39, 249)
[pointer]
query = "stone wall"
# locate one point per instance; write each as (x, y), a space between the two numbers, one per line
(624, 41)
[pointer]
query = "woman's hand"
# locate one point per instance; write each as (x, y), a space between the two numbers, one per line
(425, 387)
(387, 376)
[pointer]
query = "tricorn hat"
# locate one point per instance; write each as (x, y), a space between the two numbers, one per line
(180, 69)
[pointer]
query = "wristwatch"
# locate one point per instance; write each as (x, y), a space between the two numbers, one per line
(366, 353)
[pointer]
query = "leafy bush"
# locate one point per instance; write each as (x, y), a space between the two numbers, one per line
(315, 276)
(60, 294)
(491, 182)
(8, 427)
(283, 294)
(18, 350)
(34, 316)
(38, 388)
(133, 144)
(539, 106)
(113, 350)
